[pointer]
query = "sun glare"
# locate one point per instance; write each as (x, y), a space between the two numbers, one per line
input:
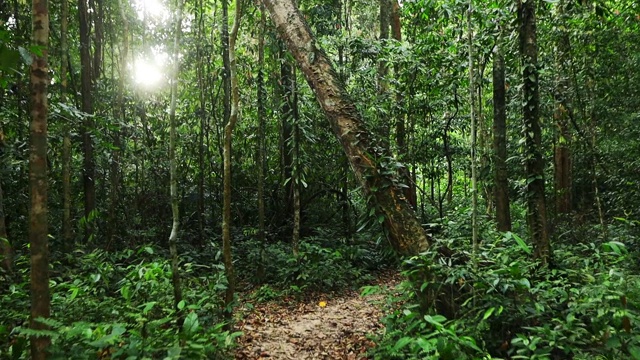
(148, 73)
(151, 8)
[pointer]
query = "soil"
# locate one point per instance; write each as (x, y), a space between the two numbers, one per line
(324, 326)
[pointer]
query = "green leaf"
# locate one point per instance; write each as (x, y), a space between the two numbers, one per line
(181, 305)
(148, 306)
(488, 313)
(401, 343)
(191, 323)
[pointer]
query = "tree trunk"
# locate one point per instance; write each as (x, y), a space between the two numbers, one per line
(67, 229)
(40, 300)
(534, 165)
(229, 43)
(501, 188)
(286, 139)
(473, 135)
(173, 165)
(374, 168)
(295, 173)
(88, 174)
(383, 69)
(261, 155)
(562, 152)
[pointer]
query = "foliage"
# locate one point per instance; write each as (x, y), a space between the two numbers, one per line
(139, 321)
(325, 262)
(500, 303)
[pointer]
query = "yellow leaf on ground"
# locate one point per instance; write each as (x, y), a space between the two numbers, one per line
(322, 304)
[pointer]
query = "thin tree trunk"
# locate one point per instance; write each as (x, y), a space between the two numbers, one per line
(229, 42)
(295, 173)
(67, 229)
(173, 165)
(562, 151)
(501, 188)
(39, 247)
(536, 206)
(473, 136)
(261, 151)
(367, 158)
(202, 87)
(383, 69)
(88, 174)
(286, 138)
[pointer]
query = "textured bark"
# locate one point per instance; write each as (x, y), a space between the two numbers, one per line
(88, 171)
(98, 11)
(534, 165)
(369, 161)
(173, 166)
(501, 188)
(67, 229)
(39, 247)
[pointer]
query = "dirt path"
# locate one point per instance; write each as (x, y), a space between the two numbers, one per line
(327, 327)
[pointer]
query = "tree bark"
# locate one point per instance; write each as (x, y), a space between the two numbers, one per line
(88, 174)
(373, 167)
(67, 229)
(229, 42)
(501, 188)
(173, 166)
(261, 155)
(534, 165)
(39, 244)
(383, 69)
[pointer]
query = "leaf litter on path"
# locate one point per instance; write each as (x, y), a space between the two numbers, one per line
(330, 326)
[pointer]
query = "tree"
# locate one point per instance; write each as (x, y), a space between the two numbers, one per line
(562, 141)
(501, 188)
(374, 168)
(534, 165)
(38, 229)
(173, 237)
(229, 43)
(88, 171)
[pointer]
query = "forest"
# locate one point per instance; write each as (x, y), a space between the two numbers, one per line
(319, 179)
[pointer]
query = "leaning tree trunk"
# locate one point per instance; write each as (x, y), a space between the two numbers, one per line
(374, 168)
(38, 241)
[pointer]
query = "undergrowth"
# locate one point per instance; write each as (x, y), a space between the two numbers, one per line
(119, 305)
(498, 303)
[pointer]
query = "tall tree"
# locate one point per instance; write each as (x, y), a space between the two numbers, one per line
(562, 141)
(534, 165)
(173, 162)
(473, 135)
(501, 188)
(67, 229)
(229, 41)
(373, 166)
(88, 171)
(39, 247)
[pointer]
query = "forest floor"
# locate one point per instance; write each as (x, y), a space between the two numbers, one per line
(322, 326)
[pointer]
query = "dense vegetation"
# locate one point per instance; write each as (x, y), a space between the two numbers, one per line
(164, 163)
